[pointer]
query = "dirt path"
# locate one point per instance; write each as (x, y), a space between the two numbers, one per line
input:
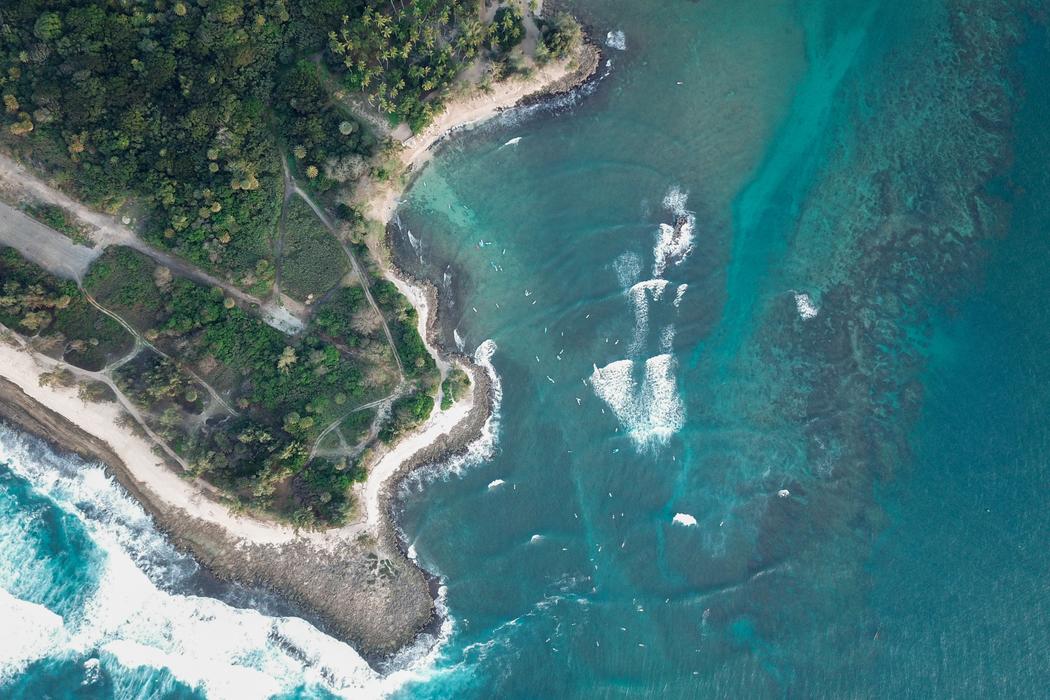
(139, 340)
(59, 255)
(48, 249)
(358, 270)
(104, 377)
(315, 451)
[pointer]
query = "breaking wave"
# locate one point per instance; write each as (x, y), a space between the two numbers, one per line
(805, 307)
(679, 294)
(640, 294)
(136, 610)
(628, 270)
(650, 412)
(676, 201)
(616, 40)
(674, 243)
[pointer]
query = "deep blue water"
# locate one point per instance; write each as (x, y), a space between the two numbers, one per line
(700, 488)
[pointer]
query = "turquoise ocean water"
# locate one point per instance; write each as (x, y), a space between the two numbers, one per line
(795, 448)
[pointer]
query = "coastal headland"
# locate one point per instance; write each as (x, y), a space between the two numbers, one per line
(355, 579)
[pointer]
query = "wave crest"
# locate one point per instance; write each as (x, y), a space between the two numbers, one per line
(651, 412)
(139, 614)
(616, 40)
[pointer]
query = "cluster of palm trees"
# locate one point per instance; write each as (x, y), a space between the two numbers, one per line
(404, 59)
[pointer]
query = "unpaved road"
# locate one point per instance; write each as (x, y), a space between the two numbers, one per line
(47, 248)
(59, 255)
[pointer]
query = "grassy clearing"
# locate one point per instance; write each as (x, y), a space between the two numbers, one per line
(55, 312)
(312, 261)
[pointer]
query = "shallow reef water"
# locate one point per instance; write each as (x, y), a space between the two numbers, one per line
(766, 310)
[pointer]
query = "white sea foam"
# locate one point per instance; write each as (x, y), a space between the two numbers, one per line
(679, 294)
(616, 40)
(640, 294)
(458, 339)
(513, 142)
(556, 104)
(804, 305)
(416, 244)
(31, 632)
(496, 483)
(651, 412)
(418, 661)
(92, 672)
(667, 338)
(673, 244)
(655, 287)
(684, 519)
(628, 269)
(676, 201)
(484, 447)
(225, 651)
(535, 538)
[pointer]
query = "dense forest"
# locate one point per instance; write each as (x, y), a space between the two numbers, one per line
(177, 110)
(185, 117)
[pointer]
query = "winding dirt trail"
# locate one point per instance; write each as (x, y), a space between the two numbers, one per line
(104, 377)
(59, 255)
(141, 341)
(357, 271)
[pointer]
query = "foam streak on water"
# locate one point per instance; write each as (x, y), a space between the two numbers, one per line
(651, 410)
(640, 294)
(131, 622)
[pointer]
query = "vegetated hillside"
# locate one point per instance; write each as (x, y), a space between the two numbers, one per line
(285, 390)
(184, 105)
(182, 115)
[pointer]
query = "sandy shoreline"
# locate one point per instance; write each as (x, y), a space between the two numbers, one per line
(378, 201)
(331, 574)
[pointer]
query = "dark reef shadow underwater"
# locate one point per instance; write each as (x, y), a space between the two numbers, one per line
(769, 310)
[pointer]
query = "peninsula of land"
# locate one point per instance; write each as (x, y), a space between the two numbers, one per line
(249, 362)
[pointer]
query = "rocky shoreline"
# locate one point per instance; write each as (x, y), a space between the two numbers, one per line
(357, 585)
(377, 603)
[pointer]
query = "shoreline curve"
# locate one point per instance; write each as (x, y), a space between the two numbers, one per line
(332, 575)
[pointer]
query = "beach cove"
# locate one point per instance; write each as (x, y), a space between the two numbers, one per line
(762, 324)
(330, 575)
